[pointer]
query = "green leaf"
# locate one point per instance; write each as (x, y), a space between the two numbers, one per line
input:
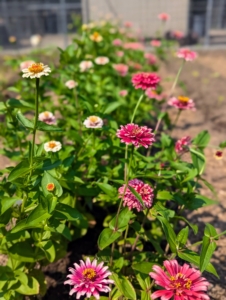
(112, 106)
(123, 220)
(163, 211)
(164, 195)
(137, 195)
(46, 127)
(202, 139)
(223, 145)
(66, 212)
(144, 280)
(24, 121)
(128, 289)
(46, 179)
(145, 295)
(6, 203)
(49, 250)
(20, 170)
(31, 287)
(193, 227)
(107, 237)
(23, 251)
(19, 103)
(208, 246)
(55, 225)
(182, 236)
(198, 159)
(143, 267)
(107, 189)
(170, 234)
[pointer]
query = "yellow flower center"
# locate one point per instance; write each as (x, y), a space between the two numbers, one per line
(46, 114)
(93, 119)
(52, 145)
(89, 273)
(50, 186)
(96, 34)
(183, 99)
(180, 282)
(36, 68)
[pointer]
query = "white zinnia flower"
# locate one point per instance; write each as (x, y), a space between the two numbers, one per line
(85, 65)
(47, 117)
(102, 60)
(36, 70)
(71, 84)
(25, 64)
(52, 146)
(93, 122)
(35, 40)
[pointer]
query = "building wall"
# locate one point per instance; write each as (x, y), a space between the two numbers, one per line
(142, 13)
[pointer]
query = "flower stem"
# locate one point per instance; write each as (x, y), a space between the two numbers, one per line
(176, 119)
(176, 79)
(135, 110)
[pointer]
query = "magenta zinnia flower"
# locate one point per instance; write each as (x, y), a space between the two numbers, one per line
(136, 135)
(182, 103)
(181, 145)
(89, 279)
(186, 54)
(143, 189)
(145, 80)
(180, 282)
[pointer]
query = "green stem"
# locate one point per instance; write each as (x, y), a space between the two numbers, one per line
(176, 79)
(176, 119)
(125, 237)
(135, 110)
(35, 124)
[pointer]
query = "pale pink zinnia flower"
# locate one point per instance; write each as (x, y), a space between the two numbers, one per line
(186, 54)
(164, 16)
(25, 64)
(136, 135)
(117, 42)
(128, 24)
(134, 46)
(179, 282)
(101, 60)
(135, 65)
(181, 145)
(178, 34)
(52, 146)
(93, 122)
(71, 84)
(145, 80)
(123, 93)
(85, 65)
(152, 94)
(119, 53)
(130, 200)
(155, 43)
(122, 69)
(47, 117)
(151, 58)
(182, 103)
(89, 279)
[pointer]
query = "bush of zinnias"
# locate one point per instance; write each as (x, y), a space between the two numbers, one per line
(86, 148)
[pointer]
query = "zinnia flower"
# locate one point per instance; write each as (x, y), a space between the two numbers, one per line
(181, 145)
(182, 103)
(186, 54)
(128, 24)
(89, 278)
(85, 65)
(102, 60)
(119, 53)
(151, 59)
(117, 42)
(152, 94)
(50, 187)
(36, 70)
(96, 37)
(52, 146)
(164, 16)
(71, 84)
(123, 93)
(135, 65)
(47, 117)
(122, 69)
(134, 46)
(155, 43)
(145, 80)
(35, 40)
(93, 122)
(178, 34)
(218, 154)
(179, 282)
(136, 135)
(25, 64)
(130, 200)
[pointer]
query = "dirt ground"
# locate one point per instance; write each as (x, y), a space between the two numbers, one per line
(205, 82)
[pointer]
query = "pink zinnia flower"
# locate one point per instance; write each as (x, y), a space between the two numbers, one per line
(47, 117)
(135, 65)
(143, 189)
(136, 135)
(151, 59)
(122, 69)
(26, 64)
(119, 53)
(181, 145)
(117, 42)
(89, 279)
(178, 34)
(145, 80)
(128, 24)
(134, 46)
(186, 54)
(71, 84)
(164, 16)
(153, 95)
(182, 103)
(179, 282)
(123, 93)
(155, 43)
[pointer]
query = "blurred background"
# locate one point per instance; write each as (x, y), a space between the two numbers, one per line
(27, 23)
